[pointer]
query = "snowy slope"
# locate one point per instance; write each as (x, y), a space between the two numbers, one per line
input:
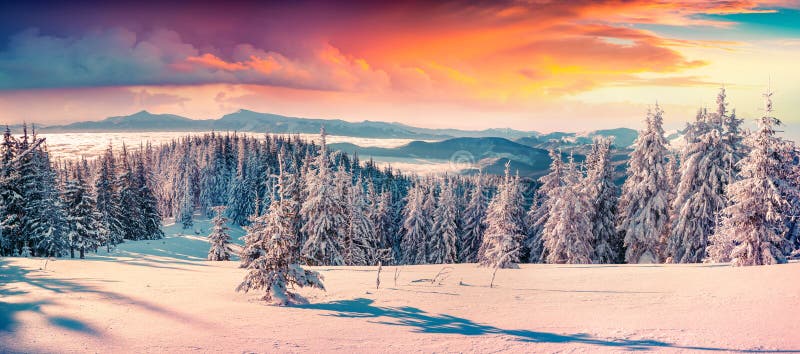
(159, 296)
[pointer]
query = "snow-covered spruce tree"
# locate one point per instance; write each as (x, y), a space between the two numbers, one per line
(11, 200)
(108, 199)
(602, 192)
(753, 225)
(381, 216)
(732, 135)
(700, 196)
(274, 266)
(185, 218)
(504, 229)
(644, 203)
(243, 189)
(47, 209)
(413, 245)
(148, 204)
(40, 220)
(442, 243)
(216, 176)
(324, 213)
(540, 208)
(290, 192)
(31, 193)
(360, 243)
(26, 251)
(791, 246)
(131, 219)
(255, 228)
(219, 238)
(567, 233)
(83, 230)
(473, 226)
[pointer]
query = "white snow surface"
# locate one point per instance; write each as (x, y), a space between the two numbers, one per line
(162, 296)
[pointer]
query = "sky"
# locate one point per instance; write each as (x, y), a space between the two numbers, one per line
(532, 65)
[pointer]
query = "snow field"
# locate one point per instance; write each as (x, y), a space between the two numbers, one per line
(160, 296)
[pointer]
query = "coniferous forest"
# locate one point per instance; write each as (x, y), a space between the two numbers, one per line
(729, 194)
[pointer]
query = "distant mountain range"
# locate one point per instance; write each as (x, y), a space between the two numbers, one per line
(472, 154)
(485, 150)
(250, 121)
(488, 155)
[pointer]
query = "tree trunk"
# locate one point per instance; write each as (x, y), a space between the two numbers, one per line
(82, 250)
(72, 252)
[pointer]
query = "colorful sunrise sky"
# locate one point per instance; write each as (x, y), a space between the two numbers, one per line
(538, 65)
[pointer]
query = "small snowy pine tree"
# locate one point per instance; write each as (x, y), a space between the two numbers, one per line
(219, 237)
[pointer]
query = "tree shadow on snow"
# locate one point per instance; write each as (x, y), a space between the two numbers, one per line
(9, 275)
(13, 283)
(424, 322)
(140, 260)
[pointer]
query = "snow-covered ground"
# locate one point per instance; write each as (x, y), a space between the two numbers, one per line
(161, 296)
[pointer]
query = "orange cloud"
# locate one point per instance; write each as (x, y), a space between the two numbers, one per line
(327, 69)
(212, 61)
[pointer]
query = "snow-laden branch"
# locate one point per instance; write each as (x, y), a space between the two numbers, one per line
(19, 156)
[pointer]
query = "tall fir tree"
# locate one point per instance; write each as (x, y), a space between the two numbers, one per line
(324, 214)
(414, 246)
(753, 225)
(602, 193)
(504, 229)
(108, 199)
(700, 195)
(539, 212)
(131, 219)
(148, 204)
(243, 190)
(362, 246)
(644, 203)
(381, 215)
(48, 209)
(567, 234)
(442, 243)
(83, 228)
(12, 200)
(473, 225)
